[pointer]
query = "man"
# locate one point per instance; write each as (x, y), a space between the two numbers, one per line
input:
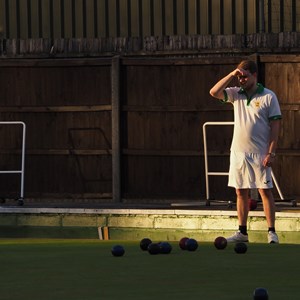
(253, 149)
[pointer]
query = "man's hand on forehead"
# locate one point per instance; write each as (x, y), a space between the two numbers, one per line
(242, 72)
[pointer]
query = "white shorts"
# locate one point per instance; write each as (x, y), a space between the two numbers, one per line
(247, 171)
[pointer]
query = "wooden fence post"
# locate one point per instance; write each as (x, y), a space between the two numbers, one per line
(115, 116)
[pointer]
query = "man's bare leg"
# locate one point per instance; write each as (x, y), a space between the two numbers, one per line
(242, 206)
(269, 206)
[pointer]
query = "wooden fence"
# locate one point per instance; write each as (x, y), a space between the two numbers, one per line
(131, 127)
(26, 19)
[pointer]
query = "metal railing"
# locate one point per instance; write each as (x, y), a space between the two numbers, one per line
(21, 171)
(208, 173)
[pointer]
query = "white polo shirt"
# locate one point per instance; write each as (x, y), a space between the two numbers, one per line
(252, 118)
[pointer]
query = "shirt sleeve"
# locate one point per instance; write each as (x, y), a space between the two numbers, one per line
(274, 111)
(230, 94)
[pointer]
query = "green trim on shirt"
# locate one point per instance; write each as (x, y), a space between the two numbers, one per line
(259, 90)
(225, 97)
(273, 118)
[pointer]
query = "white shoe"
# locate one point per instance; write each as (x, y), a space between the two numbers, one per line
(273, 238)
(237, 238)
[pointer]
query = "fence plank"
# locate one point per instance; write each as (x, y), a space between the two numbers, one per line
(135, 18)
(194, 46)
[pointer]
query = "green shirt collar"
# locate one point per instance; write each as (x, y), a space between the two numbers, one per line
(259, 90)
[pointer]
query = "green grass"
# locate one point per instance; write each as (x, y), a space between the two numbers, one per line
(86, 270)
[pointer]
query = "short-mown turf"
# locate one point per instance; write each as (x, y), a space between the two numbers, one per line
(86, 270)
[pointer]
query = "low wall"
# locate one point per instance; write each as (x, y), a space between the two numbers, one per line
(135, 224)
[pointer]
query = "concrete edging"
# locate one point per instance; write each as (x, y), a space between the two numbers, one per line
(134, 223)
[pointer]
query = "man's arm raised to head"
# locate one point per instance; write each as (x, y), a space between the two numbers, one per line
(217, 91)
